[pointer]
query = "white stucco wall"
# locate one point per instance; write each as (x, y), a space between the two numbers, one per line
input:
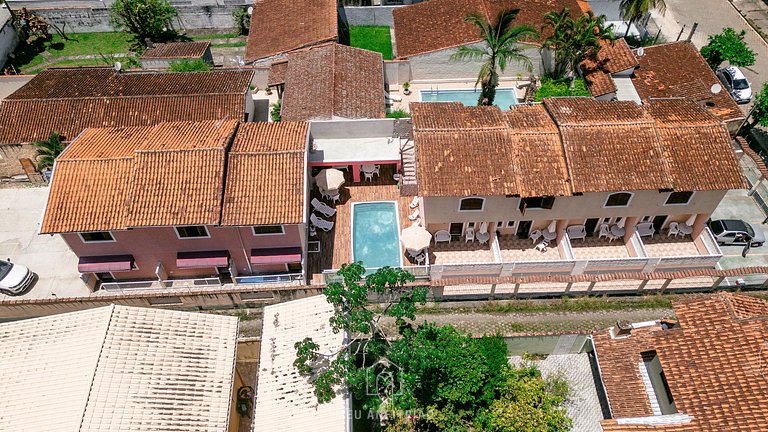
(438, 65)
(8, 37)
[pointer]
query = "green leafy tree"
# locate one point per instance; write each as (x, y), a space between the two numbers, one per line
(760, 113)
(728, 46)
(48, 150)
(574, 41)
(242, 20)
(275, 111)
(144, 20)
(502, 45)
(633, 11)
(186, 65)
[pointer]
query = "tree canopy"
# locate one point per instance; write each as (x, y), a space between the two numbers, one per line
(427, 377)
(633, 11)
(195, 65)
(48, 150)
(143, 19)
(574, 40)
(760, 113)
(501, 39)
(728, 46)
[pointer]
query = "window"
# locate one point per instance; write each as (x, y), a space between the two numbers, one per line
(510, 224)
(537, 203)
(676, 198)
(620, 199)
(97, 237)
(268, 230)
(191, 231)
(472, 204)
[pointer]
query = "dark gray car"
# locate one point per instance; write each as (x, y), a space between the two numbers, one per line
(737, 232)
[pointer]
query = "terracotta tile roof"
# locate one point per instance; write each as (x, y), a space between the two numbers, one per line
(168, 174)
(678, 70)
(465, 151)
(176, 50)
(266, 175)
(333, 80)
(599, 83)
(613, 57)
(105, 82)
(101, 98)
(280, 26)
(277, 73)
(437, 24)
(714, 364)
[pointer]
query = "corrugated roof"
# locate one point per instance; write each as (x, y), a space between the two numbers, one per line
(714, 366)
(118, 368)
(285, 400)
(677, 69)
(333, 80)
(438, 24)
(281, 26)
(168, 174)
(266, 175)
(171, 50)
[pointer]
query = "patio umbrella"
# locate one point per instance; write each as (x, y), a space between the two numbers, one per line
(691, 220)
(552, 226)
(329, 179)
(415, 238)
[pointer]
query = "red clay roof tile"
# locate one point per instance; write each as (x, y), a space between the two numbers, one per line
(173, 50)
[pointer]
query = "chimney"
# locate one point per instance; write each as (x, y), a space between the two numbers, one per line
(623, 328)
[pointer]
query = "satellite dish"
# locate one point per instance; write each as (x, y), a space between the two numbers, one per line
(716, 88)
(640, 51)
(250, 10)
(118, 66)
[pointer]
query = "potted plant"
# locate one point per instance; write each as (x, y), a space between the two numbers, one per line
(406, 88)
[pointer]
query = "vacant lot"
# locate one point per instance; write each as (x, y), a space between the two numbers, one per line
(374, 38)
(29, 57)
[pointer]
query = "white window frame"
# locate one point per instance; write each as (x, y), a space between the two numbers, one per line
(631, 197)
(282, 231)
(97, 241)
(176, 230)
(482, 207)
(693, 193)
(511, 224)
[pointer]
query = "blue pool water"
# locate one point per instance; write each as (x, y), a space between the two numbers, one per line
(504, 96)
(376, 234)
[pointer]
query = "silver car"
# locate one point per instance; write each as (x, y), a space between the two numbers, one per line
(737, 232)
(736, 84)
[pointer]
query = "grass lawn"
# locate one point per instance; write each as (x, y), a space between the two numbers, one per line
(30, 55)
(374, 38)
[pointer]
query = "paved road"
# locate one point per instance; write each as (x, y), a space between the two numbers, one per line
(713, 16)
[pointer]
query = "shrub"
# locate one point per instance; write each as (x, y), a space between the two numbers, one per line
(398, 114)
(561, 87)
(274, 113)
(196, 65)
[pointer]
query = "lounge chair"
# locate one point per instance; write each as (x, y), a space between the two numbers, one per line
(323, 208)
(414, 203)
(320, 223)
(415, 215)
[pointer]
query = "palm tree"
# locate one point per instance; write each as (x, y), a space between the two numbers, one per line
(501, 46)
(573, 41)
(635, 10)
(48, 150)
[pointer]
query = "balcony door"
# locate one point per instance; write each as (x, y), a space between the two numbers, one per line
(591, 226)
(658, 222)
(524, 229)
(456, 229)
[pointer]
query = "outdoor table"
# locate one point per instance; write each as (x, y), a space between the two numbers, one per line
(368, 168)
(685, 229)
(618, 231)
(549, 235)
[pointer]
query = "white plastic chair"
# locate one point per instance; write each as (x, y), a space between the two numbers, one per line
(605, 231)
(535, 235)
(542, 246)
(323, 208)
(414, 203)
(321, 223)
(469, 235)
(674, 229)
(368, 176)
(442, 236)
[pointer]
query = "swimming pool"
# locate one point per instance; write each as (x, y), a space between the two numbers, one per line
(376, 234)
(504, 96)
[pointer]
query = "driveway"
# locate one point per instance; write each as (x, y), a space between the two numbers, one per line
(21, 212)
(713, 16)
(737, 205)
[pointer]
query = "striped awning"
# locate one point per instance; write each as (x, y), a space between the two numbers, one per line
(105, 263)
(202, 259)
(283, 255)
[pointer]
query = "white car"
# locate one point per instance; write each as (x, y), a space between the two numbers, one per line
(14, 278)
(736, 84)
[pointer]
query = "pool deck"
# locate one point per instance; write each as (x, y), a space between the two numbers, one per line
(336, 245)
(417, 86)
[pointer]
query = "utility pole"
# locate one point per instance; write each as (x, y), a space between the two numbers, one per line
(693, 30)
(679, 35)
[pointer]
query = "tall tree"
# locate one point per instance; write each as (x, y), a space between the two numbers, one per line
(48, 150)
(728, 46)
(760, 110)
(143, 19)
(633, 11)
(502, 45)
(573, 41)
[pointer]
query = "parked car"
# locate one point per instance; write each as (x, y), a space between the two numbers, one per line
(736, 84)
(737, 232)
(15, 279)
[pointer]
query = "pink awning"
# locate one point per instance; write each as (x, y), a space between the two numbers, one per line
(105, 263)
(276, 255)
(202, 259)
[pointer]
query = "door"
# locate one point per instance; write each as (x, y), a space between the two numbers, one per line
(658, 222)
(105, 277)
(524, 229)
(456, 230)
(225, 275)
(591, 226)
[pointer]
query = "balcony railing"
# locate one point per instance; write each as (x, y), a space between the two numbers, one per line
(273, 278)
(420, 272)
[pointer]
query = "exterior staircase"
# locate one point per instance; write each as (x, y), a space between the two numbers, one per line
(408, 185)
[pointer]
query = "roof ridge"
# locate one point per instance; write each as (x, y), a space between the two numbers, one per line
(98, 361)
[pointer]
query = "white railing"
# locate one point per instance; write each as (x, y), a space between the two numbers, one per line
(269, 278)
(130, 285)
(185, 283)
(710, 243)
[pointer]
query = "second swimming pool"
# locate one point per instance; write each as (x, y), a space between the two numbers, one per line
(376, 234)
